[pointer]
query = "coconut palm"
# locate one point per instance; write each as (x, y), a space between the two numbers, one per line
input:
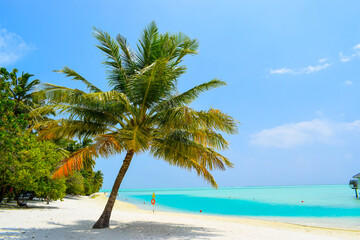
(21, 89)
(143, 112)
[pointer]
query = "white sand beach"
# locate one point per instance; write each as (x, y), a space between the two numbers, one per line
(74, 217)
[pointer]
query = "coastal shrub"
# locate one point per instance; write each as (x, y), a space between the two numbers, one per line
(75, 184)
(52, 189)
(84, 182)
(28, 167)
(98, 180)
(92, 181)
(25, 163)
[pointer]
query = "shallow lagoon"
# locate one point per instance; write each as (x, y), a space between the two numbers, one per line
(316, 205)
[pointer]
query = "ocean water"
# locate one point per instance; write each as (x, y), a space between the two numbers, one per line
(317, 205)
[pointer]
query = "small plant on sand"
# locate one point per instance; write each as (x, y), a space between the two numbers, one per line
(142, 112)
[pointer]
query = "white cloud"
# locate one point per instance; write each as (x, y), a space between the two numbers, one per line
(12, 47)
(296, 134)
(281, 71)
(348, 83)
(306, 70)
(355, 53)
(312, 69)
(322, 64)
(344, 58)
(353, 126)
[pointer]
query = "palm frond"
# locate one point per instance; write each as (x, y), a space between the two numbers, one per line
(188, 96)
(39, 113)
(109, 144)
(104, 101)
(208, 138)
(65, 128)
(182, 46)
(216, 119)
(127, 55)
(189, 119)
(104, 145)
(63, 152)
(110, 49)
(179, 142)
(80, 113)
(74, 162)
(77, 77)
(152, 84)
(146, 45)
(177, 157)
(59, 94)
(31, 85)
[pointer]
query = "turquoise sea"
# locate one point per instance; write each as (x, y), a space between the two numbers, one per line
(316, 205)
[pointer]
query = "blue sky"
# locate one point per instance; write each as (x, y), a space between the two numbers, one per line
(292, 68)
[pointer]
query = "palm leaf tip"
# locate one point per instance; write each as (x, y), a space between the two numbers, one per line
(228, 163)
(77, 77)
(202, 171)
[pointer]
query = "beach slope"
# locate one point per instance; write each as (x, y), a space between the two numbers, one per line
(74, 217)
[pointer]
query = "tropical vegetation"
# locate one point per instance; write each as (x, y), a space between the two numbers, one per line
(21, 90)
(86, 181)
(142, 112)
(26, 164)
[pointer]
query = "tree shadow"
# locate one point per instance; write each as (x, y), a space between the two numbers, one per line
(31, 205)
(74, 197)
(117, 230)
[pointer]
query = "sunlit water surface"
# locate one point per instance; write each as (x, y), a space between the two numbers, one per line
(317, 205)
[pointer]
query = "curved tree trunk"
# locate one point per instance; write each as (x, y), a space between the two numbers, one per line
(104, 219)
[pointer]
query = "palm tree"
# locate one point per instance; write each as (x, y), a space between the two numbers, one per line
(21, 90)
(143, 111)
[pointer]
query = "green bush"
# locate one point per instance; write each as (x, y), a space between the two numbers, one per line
(84, 182)
(25, 163)
(92, 181)
(75, 184)
(28, 167)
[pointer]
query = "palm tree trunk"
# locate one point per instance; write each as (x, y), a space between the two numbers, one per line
(104, 219)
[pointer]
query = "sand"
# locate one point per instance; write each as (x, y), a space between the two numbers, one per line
(73, 218)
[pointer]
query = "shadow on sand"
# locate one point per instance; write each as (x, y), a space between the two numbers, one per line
(14, 206)
(117, 230)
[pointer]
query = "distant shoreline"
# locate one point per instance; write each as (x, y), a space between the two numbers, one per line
(207, 188)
